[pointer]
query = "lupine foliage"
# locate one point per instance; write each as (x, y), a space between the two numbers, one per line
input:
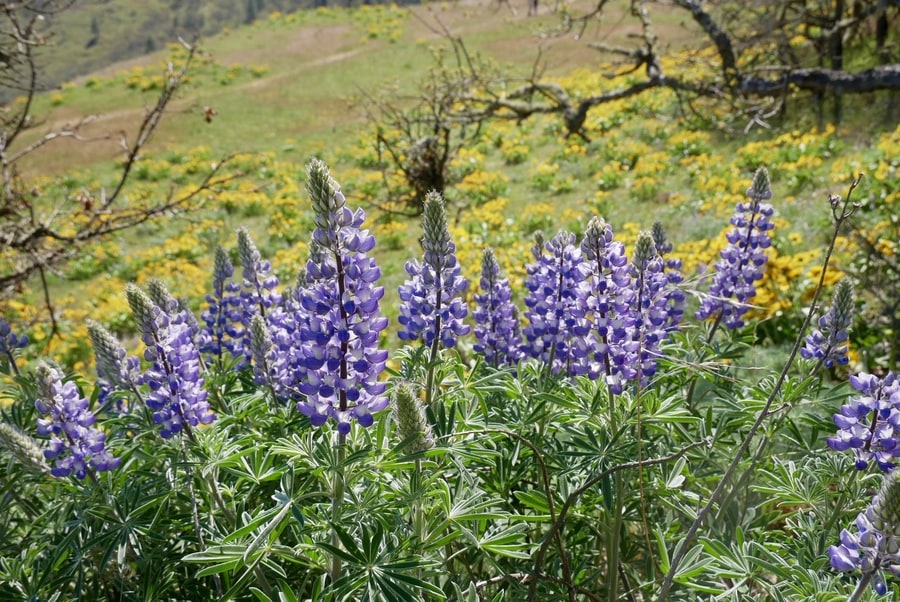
(592, 458)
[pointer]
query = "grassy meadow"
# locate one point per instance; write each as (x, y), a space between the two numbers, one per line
(298, 449)
(293, 86)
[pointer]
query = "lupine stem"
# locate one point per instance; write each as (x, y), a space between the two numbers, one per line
(842, 498)
(12, 363)
(861, 587)
(612, 569)
(337, 499)
(689, 397)
(435, 344)
(841, 212)
(195, 514)
(418, 510)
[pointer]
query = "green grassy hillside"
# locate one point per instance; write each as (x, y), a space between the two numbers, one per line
(93, 34)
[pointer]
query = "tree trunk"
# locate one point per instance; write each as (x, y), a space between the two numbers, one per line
(837, 56)
(882, 29)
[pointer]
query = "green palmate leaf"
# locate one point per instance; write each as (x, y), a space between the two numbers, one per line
(219, 553)
(222, 559)
(269, 518)
(773, 563)
(260, 595)
(695, 563)
(222, 567)
(267, 530)
(676, 479)
(536, 500)
(412, 581)
(668, 410)
(506, 541)
(474, 509)
(663, 551)
(341, 553)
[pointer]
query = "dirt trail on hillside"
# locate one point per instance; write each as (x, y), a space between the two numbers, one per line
(307, 45)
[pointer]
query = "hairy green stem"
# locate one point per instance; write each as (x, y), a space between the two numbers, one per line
(612, 568)
(861, 587)
(435, 345)
(195, 513)
(842, 499)
(337, 500)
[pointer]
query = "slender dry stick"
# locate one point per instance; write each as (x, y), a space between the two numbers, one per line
(841, 212)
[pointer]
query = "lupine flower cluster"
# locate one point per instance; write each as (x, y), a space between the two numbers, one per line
(115, 368)
(674, 295)
(875, 547)
(589, 312)
(828, 342)
(869, 423)
(76, 446)
(431, 303)
(743, 260)
(214, 338)
(325, 345)
(177, 396)
(558, 332)
(609, 298)
(497, 332)
(9, 342)
(651, 317)
(413, 427)
(23, 448)
(258, 295)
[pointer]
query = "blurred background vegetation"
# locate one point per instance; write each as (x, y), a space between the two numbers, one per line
(373, 89)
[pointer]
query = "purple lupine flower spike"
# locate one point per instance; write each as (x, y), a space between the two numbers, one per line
(608, 299)
(160, 295)
(115, 368)
(650, 311)
(177, 309)
(333, 347)
(177, 396)
(743, 260)
(76, 445)
(226, 295)
(874, 549)
(431, 303)
(675, 297)
(869, 423)
(558, 333)
(828, 342)
(9, 342)
(412, 424)
(261, 348)
(258, 295)
(497, 331)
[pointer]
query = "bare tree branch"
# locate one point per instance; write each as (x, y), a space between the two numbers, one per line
(37, 236)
